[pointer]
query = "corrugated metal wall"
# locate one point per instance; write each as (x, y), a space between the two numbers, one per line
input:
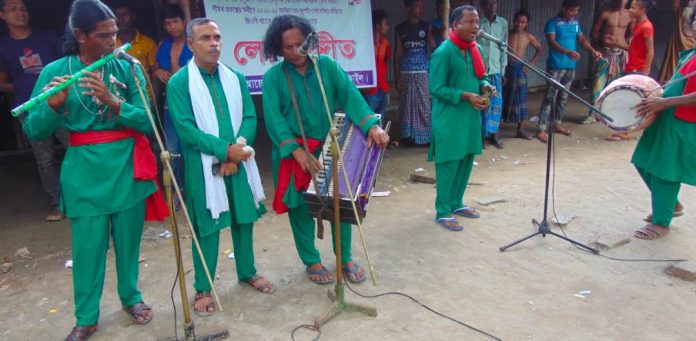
(541, 11)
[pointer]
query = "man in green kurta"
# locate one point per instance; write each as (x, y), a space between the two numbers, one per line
(103, 194)
(284, 37)
(457, 76)
(215, 119)
(665, 156)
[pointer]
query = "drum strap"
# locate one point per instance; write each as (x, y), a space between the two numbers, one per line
(305, 146)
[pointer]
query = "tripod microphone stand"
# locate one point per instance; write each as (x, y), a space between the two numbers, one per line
(543, 226)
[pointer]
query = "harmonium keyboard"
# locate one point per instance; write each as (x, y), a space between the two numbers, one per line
(362, 166)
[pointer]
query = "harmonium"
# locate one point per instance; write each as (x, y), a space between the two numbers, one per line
(362, 165)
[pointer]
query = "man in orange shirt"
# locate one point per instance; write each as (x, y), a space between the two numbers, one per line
(143, 47)
(378, 97)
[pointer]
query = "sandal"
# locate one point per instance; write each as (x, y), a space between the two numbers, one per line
(138, 311)
(523, 135)
(561, 130)
(81, 333)
(209, 308)
(651, 232)
(356, 271)
(254, 282)
(450, 224)
(318, 273)
(467, 212)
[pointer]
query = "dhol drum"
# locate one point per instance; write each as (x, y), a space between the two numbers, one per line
(620, 97)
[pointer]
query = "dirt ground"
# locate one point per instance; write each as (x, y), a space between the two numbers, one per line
(526, 293)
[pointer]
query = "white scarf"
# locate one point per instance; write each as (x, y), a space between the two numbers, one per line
(206, 120)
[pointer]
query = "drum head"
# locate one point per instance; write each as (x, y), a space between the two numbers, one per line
(618, 104)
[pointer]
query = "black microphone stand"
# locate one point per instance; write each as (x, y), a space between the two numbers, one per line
(543, 226)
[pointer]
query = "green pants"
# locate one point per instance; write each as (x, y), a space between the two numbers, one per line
(243, 244)
(451, 179)
(664, 195)
(90, 242)
(303, 225)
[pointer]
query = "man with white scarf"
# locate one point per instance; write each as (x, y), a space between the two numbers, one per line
(214, 116)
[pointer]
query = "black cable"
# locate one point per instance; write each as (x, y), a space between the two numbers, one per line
(306, 326)
(171, 295)
(553, 207)
(396, 293)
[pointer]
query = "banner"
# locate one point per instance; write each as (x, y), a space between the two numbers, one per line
(344, 29)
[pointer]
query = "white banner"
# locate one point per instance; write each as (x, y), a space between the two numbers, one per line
(344, 29)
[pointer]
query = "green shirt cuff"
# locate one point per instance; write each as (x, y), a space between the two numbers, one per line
(368, 122)
(287, 147)
(220, 150)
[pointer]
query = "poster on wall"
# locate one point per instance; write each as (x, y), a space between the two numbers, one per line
(344, 31)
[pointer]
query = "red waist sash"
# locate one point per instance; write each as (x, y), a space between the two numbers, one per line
(144, 164)
(289, 167)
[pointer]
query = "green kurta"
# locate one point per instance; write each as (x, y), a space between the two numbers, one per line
(279, 113)
(95, 179)
(456, 124)
(667, 148)
(194, 142)
(99, 194)
(283, 128)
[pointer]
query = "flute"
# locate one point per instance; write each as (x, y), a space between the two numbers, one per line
(32, 102)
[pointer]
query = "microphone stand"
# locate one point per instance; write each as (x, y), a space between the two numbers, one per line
(543, 226)
(168, 180)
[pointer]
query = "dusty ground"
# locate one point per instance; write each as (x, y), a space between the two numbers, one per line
(524, 293)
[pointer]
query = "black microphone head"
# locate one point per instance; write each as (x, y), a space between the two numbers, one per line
(120, 53)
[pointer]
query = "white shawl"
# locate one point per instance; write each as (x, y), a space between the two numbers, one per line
(206, 120)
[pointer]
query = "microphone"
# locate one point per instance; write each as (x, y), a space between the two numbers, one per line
(120, 53)
(484, 35)
(309, 43)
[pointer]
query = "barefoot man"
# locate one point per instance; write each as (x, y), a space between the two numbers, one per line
(515, 90)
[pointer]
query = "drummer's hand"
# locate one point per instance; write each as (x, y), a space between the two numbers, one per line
(94, 86)
(378, 136)
(57, 100)
(650, 105)
(306, 160)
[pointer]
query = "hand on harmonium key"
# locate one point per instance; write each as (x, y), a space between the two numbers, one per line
(378, 136)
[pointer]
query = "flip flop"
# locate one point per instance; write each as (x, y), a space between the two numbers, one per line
(450, 224)
(319, 272)
(354, 270)
(81, 333)
(651, 232)
(467, 212)
(562, 131)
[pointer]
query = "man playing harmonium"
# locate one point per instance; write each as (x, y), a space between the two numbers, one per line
(215, 119)
(282, 105)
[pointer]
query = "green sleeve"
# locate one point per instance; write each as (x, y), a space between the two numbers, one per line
(42, 121)
(349, 98)
(179, 105)
(437, 79)
(133, 113)
(249, 122)
(277, 126)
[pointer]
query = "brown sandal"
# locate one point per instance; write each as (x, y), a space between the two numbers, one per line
(651, 231)
(255, 282)
(209, 308)
(81, 333)
(138, 311)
